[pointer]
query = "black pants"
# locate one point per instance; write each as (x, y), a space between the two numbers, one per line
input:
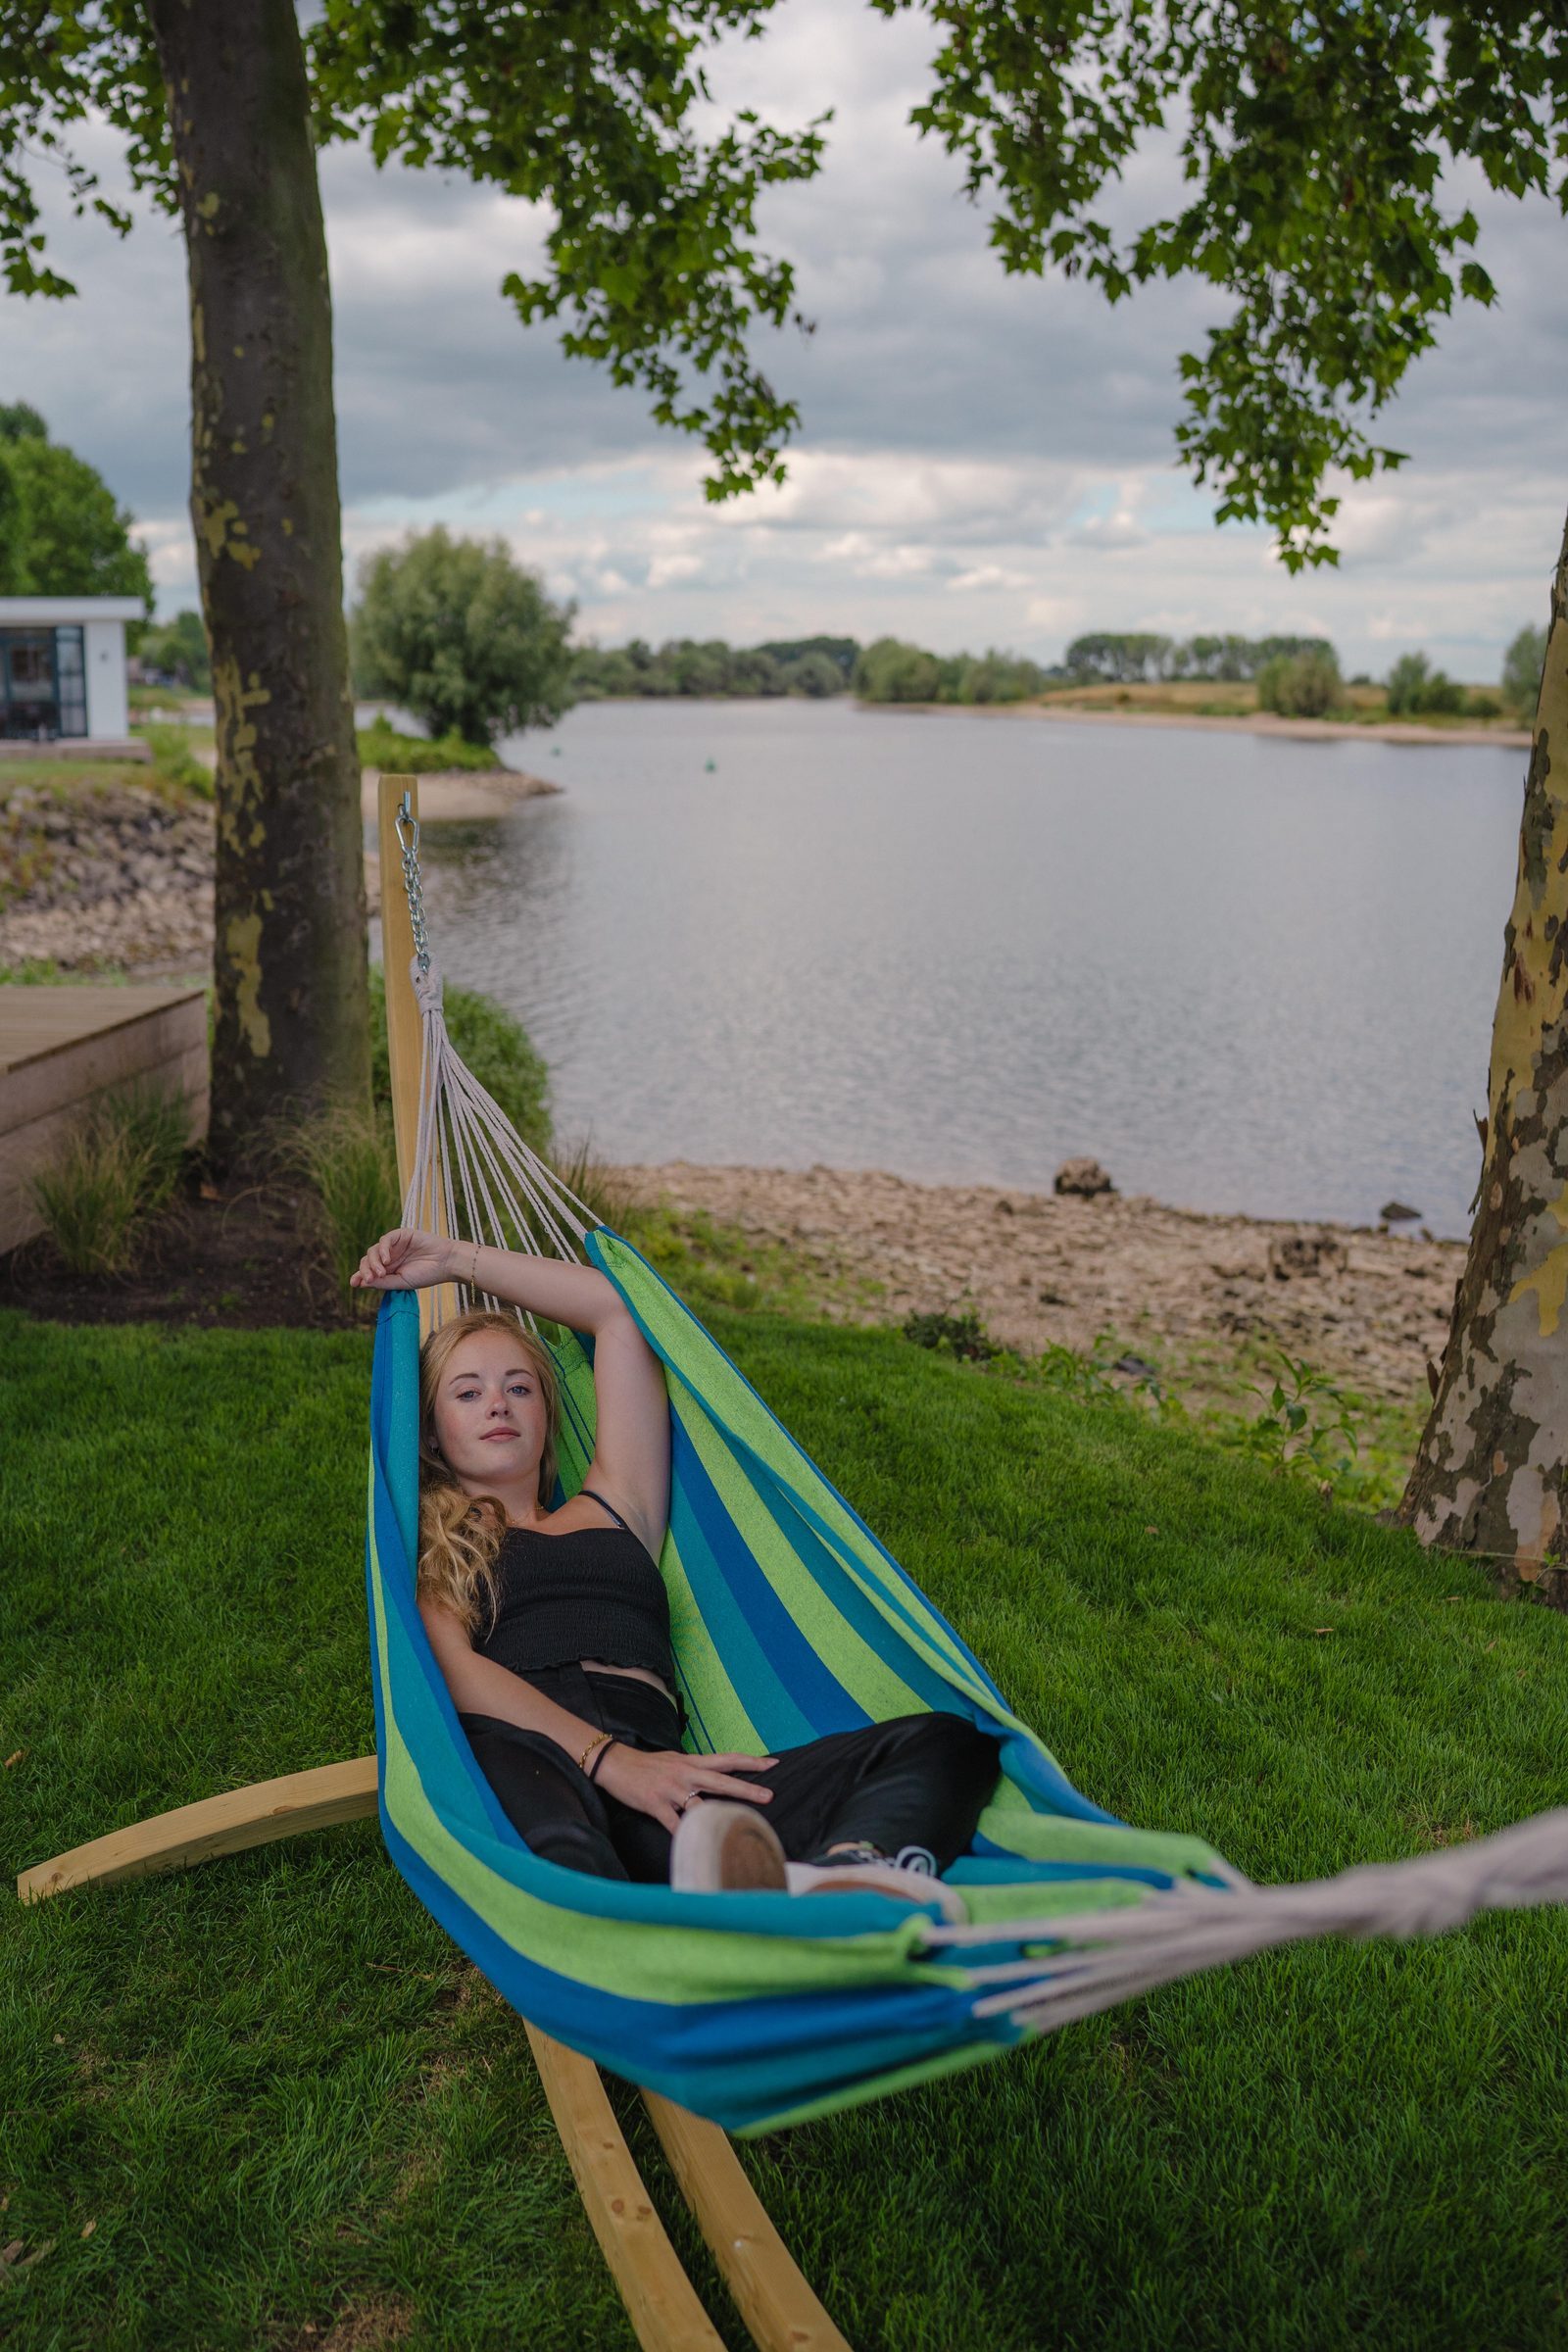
(920, 1781)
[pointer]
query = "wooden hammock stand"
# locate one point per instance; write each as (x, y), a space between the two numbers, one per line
(778, 2307)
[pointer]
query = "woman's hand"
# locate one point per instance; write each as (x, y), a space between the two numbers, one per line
(663, 1780)
(403, 1260)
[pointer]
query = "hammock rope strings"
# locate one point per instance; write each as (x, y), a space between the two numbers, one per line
(475, 1178)
(1196, 1928)
(466, 1152)
(461, 1124)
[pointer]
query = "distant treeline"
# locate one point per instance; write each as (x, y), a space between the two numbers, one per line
(706, 666)
(1129, 658)
(888, 671)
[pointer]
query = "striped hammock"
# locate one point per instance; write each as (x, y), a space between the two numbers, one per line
(789, 1620)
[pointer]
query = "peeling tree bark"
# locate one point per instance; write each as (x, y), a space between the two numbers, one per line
(1489, 1478)
(292, 1027)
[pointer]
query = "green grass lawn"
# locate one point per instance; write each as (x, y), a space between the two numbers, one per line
(266, 2104)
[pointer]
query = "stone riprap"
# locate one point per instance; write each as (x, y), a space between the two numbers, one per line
(117, 875)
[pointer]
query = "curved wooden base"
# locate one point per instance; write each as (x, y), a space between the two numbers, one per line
(774, 2300)
(780, 2311)
(217, 1825)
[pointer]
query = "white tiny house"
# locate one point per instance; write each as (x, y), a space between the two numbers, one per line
(63, 668)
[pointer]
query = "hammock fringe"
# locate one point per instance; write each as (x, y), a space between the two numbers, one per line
(1106, 1958)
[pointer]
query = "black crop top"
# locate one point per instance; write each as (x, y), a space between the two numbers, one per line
(592, 1593)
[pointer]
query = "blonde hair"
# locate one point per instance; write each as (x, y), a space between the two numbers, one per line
(460, 1534)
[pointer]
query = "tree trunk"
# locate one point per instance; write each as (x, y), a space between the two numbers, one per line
(1489, 1477)
(293, 1015)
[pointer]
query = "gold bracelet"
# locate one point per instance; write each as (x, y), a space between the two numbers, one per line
(473, 1278)
(592, 1749)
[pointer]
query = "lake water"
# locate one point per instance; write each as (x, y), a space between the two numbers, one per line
(1245, 974)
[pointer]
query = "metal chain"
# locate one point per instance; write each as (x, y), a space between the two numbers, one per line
(409, 844)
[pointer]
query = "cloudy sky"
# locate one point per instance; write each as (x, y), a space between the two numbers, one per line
(982, 460)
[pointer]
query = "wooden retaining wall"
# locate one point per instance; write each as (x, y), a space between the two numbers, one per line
(60, 1047)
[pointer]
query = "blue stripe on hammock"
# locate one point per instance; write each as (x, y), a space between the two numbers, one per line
(740, 2062)
(901, 1575)
(796, 1682)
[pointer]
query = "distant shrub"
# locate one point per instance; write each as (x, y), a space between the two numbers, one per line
(382, 744)
(994, 678)
(115, 1169)
(815, 675)
(891, 672)
(1483, 705)
(177, 763)
(1303, 685)
(456, 631)
(177, 650)
(1522, 665)
(1415, 690)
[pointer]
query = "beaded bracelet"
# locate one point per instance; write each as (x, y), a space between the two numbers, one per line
(601, 1741)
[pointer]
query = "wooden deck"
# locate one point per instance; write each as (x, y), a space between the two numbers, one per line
(60, 1047)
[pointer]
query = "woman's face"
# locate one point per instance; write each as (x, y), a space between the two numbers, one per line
(489, 1414)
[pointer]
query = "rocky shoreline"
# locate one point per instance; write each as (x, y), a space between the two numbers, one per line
(1367, 1307)
(121, 873)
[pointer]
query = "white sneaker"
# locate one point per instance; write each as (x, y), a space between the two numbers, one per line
(878, 1877)
(724, 1847)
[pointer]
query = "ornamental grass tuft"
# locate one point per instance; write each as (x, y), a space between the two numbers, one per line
(117, 1168)
(348, 1162)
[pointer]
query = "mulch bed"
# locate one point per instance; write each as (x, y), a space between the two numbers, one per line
(233, 1252)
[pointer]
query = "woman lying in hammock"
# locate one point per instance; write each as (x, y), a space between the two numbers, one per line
(552, 1627)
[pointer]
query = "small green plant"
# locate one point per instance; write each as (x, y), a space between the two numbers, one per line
(601, 1192)
(1084, 1378)
(116, 1170)
(963, 1336)
(348, 1160)
(1304, 1412)
(177, 763)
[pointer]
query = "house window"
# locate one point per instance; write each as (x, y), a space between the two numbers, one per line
(43, 683)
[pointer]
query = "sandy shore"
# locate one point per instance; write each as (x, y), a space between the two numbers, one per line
(1366, 1307)
(1240, 722)
(1294, 730)
(457, 795)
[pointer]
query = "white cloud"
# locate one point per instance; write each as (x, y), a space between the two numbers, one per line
(665, 571)
(988, 575)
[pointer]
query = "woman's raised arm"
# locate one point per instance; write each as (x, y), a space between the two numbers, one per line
(409, 1260)
(631, 1447)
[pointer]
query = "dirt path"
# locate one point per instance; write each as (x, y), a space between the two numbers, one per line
(1366, 1307)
